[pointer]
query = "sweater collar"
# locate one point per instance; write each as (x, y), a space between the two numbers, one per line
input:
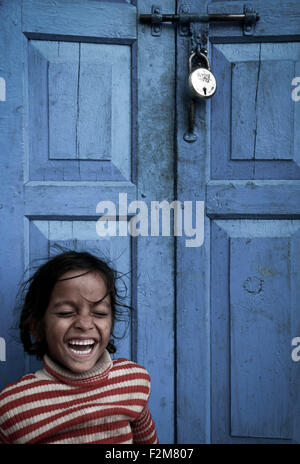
(97, 374)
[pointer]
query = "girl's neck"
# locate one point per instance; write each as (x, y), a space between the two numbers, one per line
(97, 374)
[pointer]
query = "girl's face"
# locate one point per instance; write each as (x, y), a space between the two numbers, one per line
(77, 322)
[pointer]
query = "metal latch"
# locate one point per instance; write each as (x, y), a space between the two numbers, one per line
(248, 19)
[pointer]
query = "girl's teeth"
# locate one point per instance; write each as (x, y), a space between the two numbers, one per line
(81, 342)
(81, 347)
(81, 352)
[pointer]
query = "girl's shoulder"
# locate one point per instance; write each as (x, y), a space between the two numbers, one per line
(124, 363)
(15, 388)
(123, 366)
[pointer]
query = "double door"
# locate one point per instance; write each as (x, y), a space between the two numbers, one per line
(95, 105)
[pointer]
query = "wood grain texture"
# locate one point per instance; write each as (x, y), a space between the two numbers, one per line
(263, 198)
(192, 265)
(72, 198)
(243, 116)
(155, 181)
(72, 20)
(94, 130)
(275, 23)
(62, 97)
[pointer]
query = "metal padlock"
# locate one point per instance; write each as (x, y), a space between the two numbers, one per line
(202, 82)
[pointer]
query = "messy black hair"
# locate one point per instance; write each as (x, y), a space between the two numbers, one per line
(38, 291)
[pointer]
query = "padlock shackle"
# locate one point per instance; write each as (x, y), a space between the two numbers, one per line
(202, 55)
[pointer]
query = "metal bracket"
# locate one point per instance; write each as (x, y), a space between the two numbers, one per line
(250, 20)
(156, 21)
(184, 18)
(184, 29)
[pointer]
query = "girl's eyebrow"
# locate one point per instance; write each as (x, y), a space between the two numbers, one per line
(98, 301)
(71, 303)
(64, 302)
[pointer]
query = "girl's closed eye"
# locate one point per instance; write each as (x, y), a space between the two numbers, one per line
(64, 308)
(101, 309)
(100, 313)
(65, 313)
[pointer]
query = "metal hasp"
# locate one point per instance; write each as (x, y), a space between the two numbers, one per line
(248, 18)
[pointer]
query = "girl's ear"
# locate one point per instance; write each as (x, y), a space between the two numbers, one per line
(111, 347)
(34, 330)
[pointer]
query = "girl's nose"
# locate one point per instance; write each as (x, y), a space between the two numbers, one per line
(84, 322)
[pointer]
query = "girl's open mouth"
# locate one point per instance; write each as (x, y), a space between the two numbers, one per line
(81, 347)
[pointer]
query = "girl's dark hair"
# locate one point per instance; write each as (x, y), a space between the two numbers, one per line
(39, 287)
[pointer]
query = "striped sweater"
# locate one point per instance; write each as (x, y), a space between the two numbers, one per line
(107, 404)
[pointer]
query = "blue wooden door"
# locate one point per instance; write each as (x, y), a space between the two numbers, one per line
(82, 122)
(94, 105)
(238, 303)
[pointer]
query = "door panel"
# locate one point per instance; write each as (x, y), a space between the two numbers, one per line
(84, 121)
(258, 112)
(253, 320)
(260, 313)
(236, 295)
(75, 140)
(253, 203)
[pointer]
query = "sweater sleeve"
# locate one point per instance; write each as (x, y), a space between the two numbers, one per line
(3, 439)
(143, 428)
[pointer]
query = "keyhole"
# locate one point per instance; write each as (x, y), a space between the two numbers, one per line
(204, 90)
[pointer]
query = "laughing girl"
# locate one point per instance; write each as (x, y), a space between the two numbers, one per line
(81, 395)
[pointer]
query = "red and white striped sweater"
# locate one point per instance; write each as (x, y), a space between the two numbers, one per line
(108, 404)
